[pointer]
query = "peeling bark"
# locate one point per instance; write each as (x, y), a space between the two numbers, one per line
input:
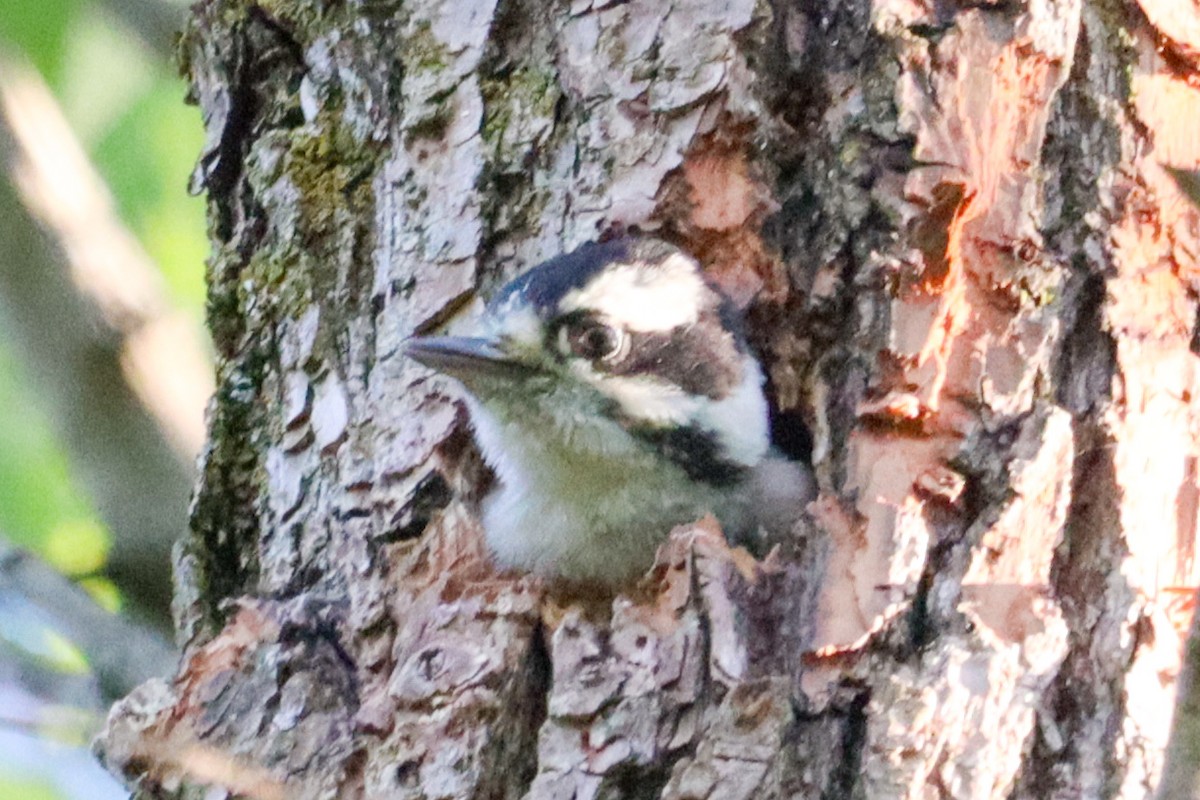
(969, 275)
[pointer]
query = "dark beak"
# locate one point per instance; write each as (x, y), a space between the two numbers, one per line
(463, 357)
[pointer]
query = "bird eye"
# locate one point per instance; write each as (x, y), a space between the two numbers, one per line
(591, 339)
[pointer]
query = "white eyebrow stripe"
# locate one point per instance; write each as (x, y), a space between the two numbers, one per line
(644, 297)
(648, 399)
(740, 421)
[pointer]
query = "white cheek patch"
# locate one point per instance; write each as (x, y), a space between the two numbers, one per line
(641, 397)
(496, 441)
(740, 420)
(644, 297)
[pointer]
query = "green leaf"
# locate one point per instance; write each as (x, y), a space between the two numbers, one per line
(39, 29)
(103, 591)
(104, 71)
(77, 546)
(37, 493)
(145, 158)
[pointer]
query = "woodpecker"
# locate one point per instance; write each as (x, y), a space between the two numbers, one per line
(613, 394)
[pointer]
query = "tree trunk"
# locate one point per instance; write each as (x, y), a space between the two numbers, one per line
(968, 275)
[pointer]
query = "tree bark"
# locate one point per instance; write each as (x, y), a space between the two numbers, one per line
(969, 276)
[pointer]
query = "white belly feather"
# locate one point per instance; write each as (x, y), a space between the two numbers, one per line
(591, 510)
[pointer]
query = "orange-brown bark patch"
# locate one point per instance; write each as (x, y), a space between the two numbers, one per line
(714, 205)
(938, 235)
(721, 193)
(228, 651)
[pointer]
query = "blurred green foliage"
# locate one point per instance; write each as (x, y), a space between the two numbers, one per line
(40, 30)
(30, 634)
(27, 789)
(40, 507)
(145, 158)
(125, 104)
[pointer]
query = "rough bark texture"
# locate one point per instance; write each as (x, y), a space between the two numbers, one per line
(968, 275)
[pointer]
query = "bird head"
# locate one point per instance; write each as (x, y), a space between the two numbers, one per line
(625, 336)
